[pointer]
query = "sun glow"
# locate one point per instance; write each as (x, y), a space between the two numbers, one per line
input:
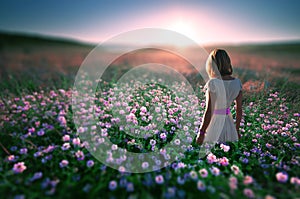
(184, 27)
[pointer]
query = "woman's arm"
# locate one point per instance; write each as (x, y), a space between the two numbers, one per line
(239, 112)
(206, 119)
(207, 113)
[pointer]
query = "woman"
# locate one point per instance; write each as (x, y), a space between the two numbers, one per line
(222, 90)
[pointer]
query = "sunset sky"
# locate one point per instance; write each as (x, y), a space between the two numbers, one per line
(205, 22)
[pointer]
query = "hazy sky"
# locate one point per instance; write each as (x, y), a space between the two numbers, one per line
(203, 21)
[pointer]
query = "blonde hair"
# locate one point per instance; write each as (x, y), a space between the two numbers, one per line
(218, 64)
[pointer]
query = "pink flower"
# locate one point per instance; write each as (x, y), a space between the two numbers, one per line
(62, 120)
(248, 180)
(282, 177)
(295, 180)
(233, 183)
(203, 173)
(269, 145)
(223, 161)
(19, 167)
(269, 197)
(121, 112)
(62, 91)
(235, 169)
(159, 179)
(233, 180)
(66, 138)
(262, 115)
(76, 141)
(215, 171)
(211, 158)
(11, 158)
(143, 109)
(185, 128)
(248, 193)
(145, 165)
(163, 136)
(79, 155)
(81, 130)
(63, 163)
(225, 147)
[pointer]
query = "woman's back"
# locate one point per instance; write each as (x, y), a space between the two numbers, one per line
(232, 88)
(222, 94)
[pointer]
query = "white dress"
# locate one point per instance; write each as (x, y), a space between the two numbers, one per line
(221, 127)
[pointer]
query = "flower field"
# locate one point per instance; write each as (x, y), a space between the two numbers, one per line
(44, 155)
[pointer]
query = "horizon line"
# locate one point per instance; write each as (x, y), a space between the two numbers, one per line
(74, 40)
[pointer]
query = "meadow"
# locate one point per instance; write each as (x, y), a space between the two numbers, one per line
(44, 155)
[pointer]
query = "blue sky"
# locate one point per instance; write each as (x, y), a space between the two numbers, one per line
(204, 21)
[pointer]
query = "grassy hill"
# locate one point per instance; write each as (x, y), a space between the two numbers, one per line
(8, 39)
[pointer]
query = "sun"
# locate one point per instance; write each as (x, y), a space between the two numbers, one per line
(183, 27)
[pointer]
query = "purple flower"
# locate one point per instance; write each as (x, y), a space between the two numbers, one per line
(13, 148)
(49, 149)
(65, 146)
(201, 186)
(23, 151)
(246, 153)
(130, 187)
(215, 171)
(38, 154)
(245, 160)
(90, 163)
(36, 176)
(41, 132)
(112, 185)
(19, 197)
(180, 180)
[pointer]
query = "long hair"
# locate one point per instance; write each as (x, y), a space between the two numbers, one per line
(218, 64)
